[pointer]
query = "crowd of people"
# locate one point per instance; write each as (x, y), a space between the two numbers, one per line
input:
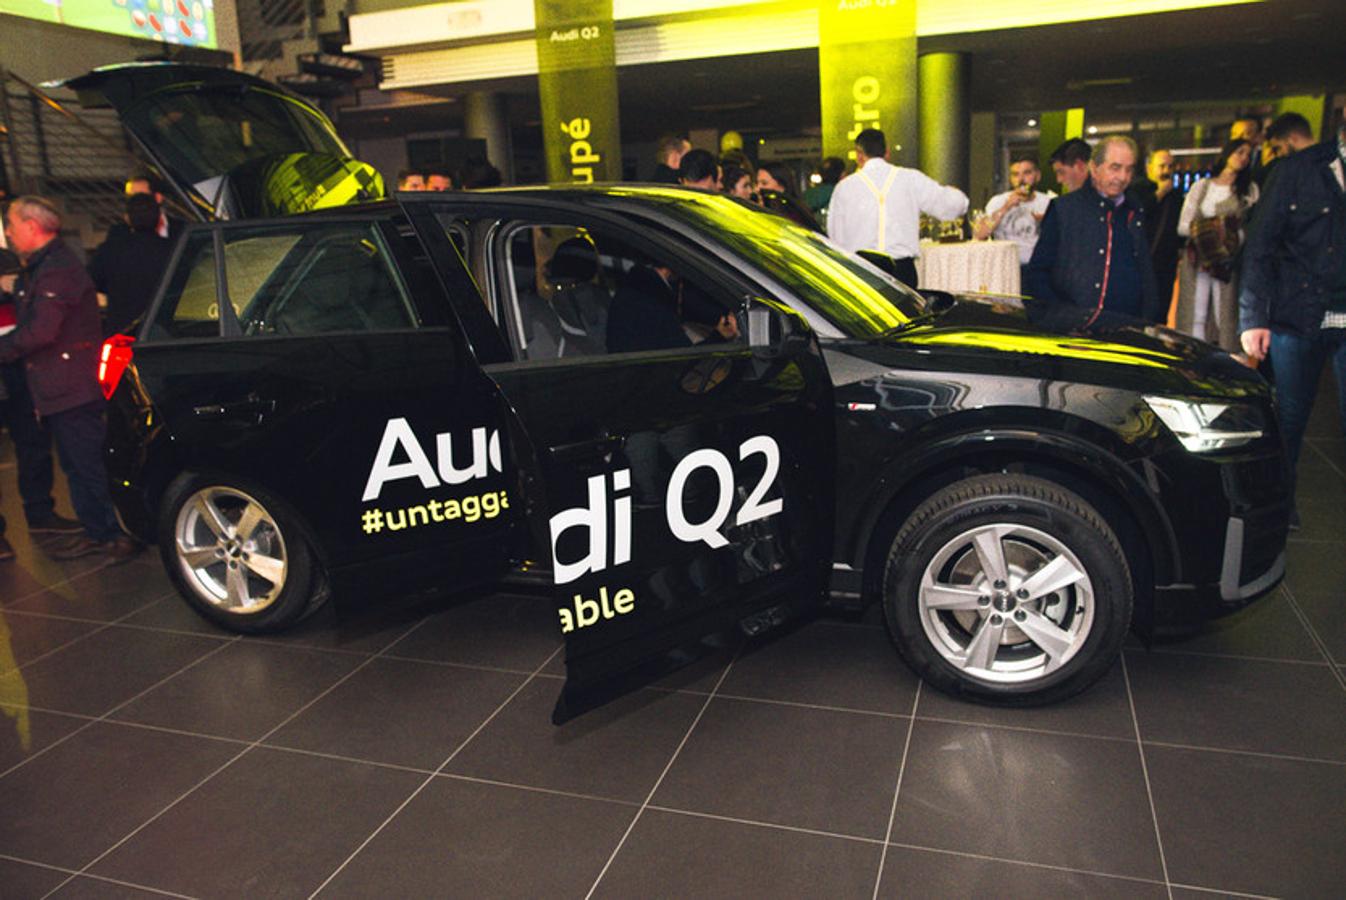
(476, 173)
(1251, 256)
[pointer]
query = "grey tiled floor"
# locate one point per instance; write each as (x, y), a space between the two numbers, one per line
(407, 751)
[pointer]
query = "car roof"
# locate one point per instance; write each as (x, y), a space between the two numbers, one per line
(601, 194)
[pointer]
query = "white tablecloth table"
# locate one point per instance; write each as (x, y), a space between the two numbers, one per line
(980, 266)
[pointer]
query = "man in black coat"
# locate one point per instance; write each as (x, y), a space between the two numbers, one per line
(128, 266)
(1292, 297)
(166, 226)
(58, 337)
(1161, 205)
(1093, 254)
(647, 313)
(669, 152)
(32, 443)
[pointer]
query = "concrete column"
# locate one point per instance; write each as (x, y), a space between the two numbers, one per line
(484, 117)
(942, 102)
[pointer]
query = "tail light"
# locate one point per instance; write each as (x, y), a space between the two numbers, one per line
(112, 362)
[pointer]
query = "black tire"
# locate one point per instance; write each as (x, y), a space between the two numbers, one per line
(1016, 643)
(260, 582)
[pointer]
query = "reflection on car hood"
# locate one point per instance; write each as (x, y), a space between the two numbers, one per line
(1171, 361)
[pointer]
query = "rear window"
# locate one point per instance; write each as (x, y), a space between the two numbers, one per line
(319, 279)
(205, 132)
(190, 308)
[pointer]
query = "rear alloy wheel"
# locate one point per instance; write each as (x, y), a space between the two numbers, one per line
(237, 556)
(1007, 589)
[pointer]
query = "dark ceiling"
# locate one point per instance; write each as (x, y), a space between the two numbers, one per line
(1120, 69)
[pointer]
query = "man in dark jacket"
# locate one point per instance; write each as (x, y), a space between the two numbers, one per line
(58, 339)
(129, 264)
(1292, 301)
(166, 226)
(648, 313)
(32, 443)
(669, 152)
(1093, 253)
(1161, 205)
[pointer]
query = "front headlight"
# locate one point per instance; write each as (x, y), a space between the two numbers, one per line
(1206, 425)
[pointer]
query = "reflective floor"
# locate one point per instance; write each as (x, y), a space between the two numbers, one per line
(409, 753)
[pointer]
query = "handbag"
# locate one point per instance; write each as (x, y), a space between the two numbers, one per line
(1215, 243)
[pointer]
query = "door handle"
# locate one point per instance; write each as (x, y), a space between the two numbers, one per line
(601, 447)
(251, 407)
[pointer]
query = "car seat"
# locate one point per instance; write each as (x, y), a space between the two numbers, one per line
(580, 303)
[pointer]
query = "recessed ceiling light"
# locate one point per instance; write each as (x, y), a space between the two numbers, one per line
(1093, 129)
(1032, 123)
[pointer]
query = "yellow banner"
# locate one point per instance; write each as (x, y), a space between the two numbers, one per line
(577, 82)
(867, 74)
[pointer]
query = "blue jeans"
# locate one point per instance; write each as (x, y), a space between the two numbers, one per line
(1298, 366)
(79, 434)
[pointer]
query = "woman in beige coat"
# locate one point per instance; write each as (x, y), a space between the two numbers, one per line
(1207, 292)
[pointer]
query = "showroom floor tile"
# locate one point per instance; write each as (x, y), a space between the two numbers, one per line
(406, 749)
(736, 859)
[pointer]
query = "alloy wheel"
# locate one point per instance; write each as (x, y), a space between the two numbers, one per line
(1006, 603)
(230, 550)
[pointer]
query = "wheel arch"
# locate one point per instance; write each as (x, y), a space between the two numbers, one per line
(171, 483)
(1081, 467)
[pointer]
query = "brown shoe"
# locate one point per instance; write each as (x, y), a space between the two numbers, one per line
(120, 549)
(6, 551)
(82, 545)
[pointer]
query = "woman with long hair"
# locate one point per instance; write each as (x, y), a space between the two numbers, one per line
(776, 190)
(738, 183)
(1212, 220)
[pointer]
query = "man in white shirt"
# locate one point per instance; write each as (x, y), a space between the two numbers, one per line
(1016, 214)
(879, 207)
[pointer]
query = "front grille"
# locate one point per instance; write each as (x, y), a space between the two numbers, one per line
(1256, 484)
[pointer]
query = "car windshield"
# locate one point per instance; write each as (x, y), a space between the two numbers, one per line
(857, 297)
(206, 132)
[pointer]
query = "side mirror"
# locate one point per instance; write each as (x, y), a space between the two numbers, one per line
(879, 259)
(938, 301)
(773, 328)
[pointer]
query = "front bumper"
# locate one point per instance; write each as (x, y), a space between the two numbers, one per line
(1239, 585)
(1231, 519)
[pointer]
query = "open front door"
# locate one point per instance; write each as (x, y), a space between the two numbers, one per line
(685, 489)
(689, 494)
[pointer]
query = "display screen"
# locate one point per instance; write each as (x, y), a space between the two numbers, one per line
(190, 22)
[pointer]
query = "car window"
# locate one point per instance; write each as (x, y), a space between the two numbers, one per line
(205, 132)
(315, 280)
(570, 292)
(190, 307)
(855, 296)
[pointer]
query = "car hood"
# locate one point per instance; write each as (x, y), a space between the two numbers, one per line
(1071, 343)
(231, 145)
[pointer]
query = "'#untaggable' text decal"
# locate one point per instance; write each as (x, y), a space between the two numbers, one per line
(451, 467)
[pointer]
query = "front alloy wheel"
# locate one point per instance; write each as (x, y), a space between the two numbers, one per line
(1007, 589)
(1006, 603)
